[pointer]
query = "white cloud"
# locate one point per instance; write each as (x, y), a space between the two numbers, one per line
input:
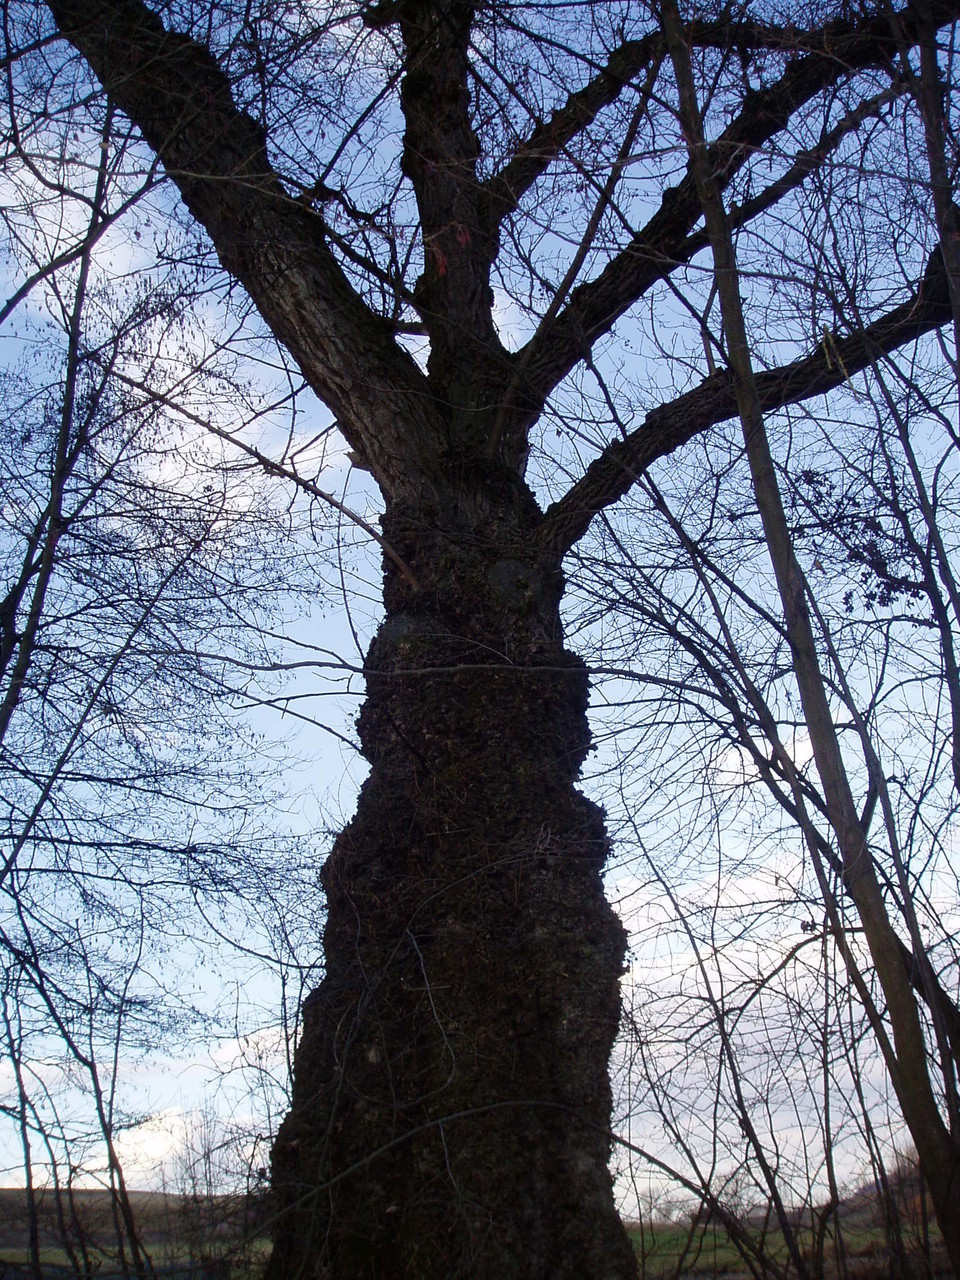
(148, 1151)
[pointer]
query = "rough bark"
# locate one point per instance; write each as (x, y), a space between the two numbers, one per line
(451, 1108)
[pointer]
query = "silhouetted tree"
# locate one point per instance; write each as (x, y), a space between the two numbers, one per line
(449, 215)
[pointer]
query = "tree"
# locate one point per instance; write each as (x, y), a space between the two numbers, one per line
(876, 533)
(396, 188)
(142, 560)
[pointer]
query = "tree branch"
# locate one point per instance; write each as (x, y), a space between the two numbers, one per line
(173, 90)
(838, 49)
(669, 426)
(547, 140)
(534, 156)
(440, 150)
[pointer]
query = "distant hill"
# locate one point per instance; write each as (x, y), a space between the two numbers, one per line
(170, 1228)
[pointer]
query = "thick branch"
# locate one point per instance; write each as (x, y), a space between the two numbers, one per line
(669, 426)
(547, 140)
(440, 158)
(840, 48)
(176, 94)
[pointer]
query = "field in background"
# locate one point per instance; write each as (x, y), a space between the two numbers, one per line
(207, 1236)
(226, 1238)
(669, 1250)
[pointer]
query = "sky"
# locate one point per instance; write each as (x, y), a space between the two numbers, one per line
(230, 1075)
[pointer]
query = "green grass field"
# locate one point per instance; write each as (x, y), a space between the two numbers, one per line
(665, 1250)
(179, 1230)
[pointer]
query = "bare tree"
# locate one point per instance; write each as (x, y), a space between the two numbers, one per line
(450, 216)
(861, 501)
(143, 562)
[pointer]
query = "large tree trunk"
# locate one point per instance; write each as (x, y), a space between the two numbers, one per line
(451, 1103)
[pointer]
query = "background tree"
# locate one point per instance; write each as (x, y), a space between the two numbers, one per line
(443, 212)
(144, 560)
(868, 511)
